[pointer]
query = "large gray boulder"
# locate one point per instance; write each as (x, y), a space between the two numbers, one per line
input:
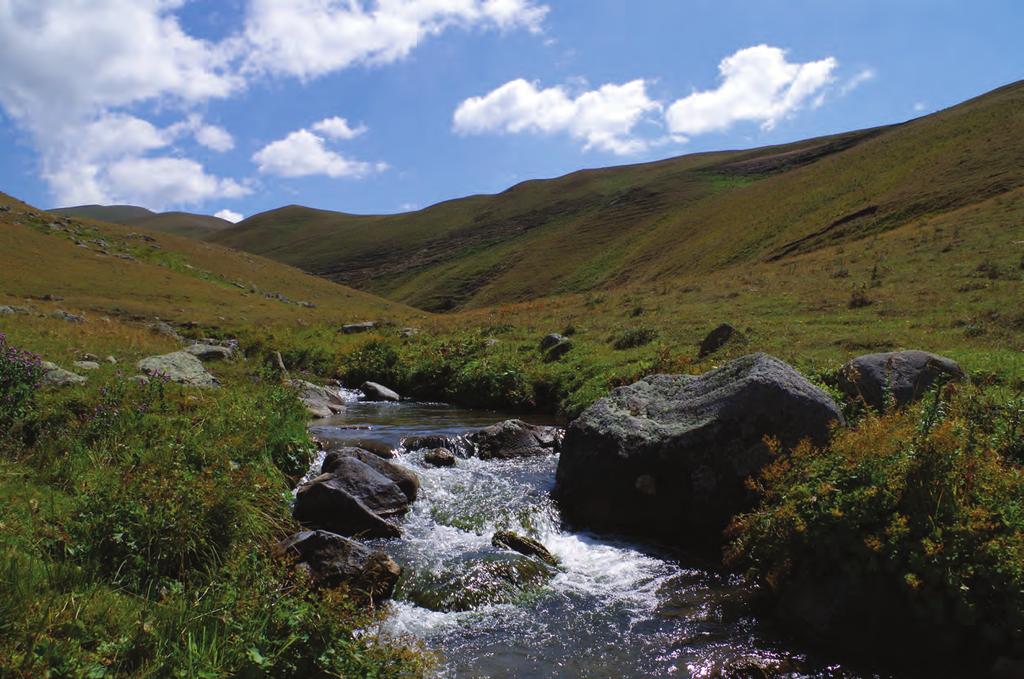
(353, 328)
(406, 480)
(515, 439)
(319, 401)
(178, 366)
(336, 561)
(210, 352)
(327, 502)
(55, 376)
(378, 392)
(667, 456)
(905, 375)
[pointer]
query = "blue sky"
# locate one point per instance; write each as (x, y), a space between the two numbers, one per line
(382, 106)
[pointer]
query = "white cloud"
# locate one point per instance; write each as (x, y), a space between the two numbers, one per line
(857, 80)
(215, 138)
(338, 128)
(302, 154)
(604, 118)
(230, 215)
(758, 85)
(69, 65)
(308, 38)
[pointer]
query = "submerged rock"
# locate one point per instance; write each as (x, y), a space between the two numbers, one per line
(439, 457)
(524, 545)
(378, 392)
(905, 375)
(179, 366)
(337, 561)
(327, 502)
(514, 439)
(456, 444)
(668, 455)
(478, 579)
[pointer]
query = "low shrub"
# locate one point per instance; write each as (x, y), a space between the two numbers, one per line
(20, 374)
(632, 338)
(908, 530)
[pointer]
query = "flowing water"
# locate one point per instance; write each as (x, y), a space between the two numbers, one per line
(613, 609)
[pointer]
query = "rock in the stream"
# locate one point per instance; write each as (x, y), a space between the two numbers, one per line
(179, 366)
(718, 338)
(375, 490)
(352, 328)
(524, 545)
(668, 455)
(456, 444)
(378, 448)
(406, 480)
(515, 438)
(319, 401)
(337, 561)
(58, 377)
(209, 352)
(476, 579)
(327, 502)
(439, 457)
(378, 392)
(906, 375)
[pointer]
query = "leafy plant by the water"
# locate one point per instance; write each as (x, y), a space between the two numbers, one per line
(916, 518)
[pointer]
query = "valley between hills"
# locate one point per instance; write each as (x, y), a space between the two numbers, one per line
(145, 516)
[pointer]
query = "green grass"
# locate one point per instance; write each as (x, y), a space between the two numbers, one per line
(138, 533)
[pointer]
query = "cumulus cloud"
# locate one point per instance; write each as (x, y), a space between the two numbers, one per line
(303, 153)
(758, 84)
(229, 215)
(604, 118)
(308, 38)
(69, 66)
(338, 128)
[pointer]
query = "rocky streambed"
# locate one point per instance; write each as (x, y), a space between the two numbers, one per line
(588, 605)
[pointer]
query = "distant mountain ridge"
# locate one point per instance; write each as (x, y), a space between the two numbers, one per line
(179, 223)
(691, 214)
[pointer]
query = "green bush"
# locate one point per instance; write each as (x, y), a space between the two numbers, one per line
(632, 338)
(916, 518)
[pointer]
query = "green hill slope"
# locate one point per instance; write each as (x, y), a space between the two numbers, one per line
(180, 223)
(655, 221)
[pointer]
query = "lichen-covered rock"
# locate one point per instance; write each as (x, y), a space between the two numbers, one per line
(319, 401)
(668, 455)
(378, 392)
(337, 561)
(179, 366)
(87, 365)
(515, 439)
(903, 375)
(58, 377)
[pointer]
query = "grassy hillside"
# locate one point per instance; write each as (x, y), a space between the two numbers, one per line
(656, 221)
(179, 223)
